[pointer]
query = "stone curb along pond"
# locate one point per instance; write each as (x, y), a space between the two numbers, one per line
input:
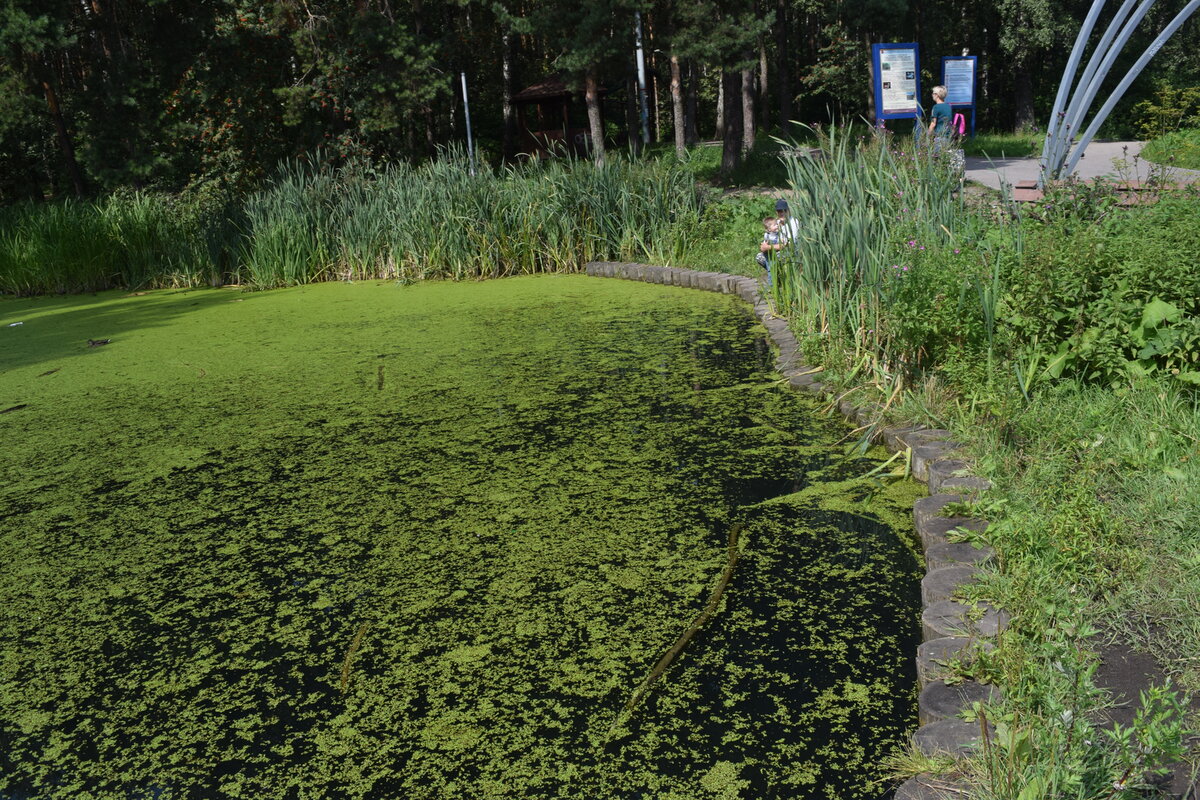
(952, 631)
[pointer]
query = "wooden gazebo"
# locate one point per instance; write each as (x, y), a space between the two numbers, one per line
(551, 118)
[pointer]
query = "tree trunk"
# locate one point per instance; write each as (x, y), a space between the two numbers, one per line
(1023, 98)
(691, 111)
(632, 121)
(783, 76)
(731, 143)
(719, 131)
(764, 88)
(591, 93)
(677, 107)
(748, 127)
(60, 127)
(653, 79)
(510, 116)
(871, 82)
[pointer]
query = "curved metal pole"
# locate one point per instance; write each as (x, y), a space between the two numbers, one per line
(1100, 55)
(1134, 71)
(1056, 116)
(1081, 103)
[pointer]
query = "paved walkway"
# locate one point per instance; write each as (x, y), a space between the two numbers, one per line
(1117, 160)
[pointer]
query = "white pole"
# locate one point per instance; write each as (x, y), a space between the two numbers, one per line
(467, 115)
(1055, 128)
(1129, 78)
(1097, 69)
(641, 65)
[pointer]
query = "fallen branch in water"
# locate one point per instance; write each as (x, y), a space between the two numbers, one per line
(350, 652)
(710, 609)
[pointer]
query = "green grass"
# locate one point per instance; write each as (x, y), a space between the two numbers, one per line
(728, 233)
(1004, 145)
(762, 168)
(1178, 149)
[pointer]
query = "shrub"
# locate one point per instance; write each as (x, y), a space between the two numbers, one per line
(1112, 300)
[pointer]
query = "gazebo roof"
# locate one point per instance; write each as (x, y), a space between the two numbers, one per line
(548, 89)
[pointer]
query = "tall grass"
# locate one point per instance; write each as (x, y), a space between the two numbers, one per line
(130, 239)
(316, 222)
(858, 201)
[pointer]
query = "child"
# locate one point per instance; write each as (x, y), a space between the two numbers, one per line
(772, 241)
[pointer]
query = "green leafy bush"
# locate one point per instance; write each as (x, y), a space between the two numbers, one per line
(1111, 300)
(1169, 110)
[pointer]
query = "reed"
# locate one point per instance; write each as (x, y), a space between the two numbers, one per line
(316, 222)
(857, 200)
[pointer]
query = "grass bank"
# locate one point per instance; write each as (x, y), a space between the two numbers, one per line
(1063, 347)
(1177, 149)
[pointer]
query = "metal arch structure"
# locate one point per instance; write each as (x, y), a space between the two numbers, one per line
(1067, 117)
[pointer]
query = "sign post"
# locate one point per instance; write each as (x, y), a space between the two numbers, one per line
(897, 72)
(958, 76)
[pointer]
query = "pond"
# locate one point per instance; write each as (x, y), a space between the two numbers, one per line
(381, 541)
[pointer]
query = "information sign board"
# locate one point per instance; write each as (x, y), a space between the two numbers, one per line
(958, 76)
(897, 71)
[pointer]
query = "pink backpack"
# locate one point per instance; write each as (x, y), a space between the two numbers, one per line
(959, 125)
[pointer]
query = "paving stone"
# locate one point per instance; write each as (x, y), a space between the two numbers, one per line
(944, 583)
(892, 435)
(940, 701)
(930, 787)
(952, 618)
(925, 454)
(864, 416)
(916, 436)
(926, 508)
(934, 655)
(848, 409)
(949, 737)
(936, 530)
(938, 472)
(966, 484)
(947, 554)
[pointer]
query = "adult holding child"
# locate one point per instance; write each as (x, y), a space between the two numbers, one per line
(778, 232)
(789, 226)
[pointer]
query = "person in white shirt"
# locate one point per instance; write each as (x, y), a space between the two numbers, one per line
(789, 226)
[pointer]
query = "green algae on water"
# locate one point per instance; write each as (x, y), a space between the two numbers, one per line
(424, 542)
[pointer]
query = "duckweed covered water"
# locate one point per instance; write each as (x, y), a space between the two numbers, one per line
(425, 542)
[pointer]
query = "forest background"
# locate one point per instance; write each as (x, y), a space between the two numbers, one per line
(163, 94)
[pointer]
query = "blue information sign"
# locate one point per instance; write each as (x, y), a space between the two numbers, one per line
(958, 76)
(897, 70)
